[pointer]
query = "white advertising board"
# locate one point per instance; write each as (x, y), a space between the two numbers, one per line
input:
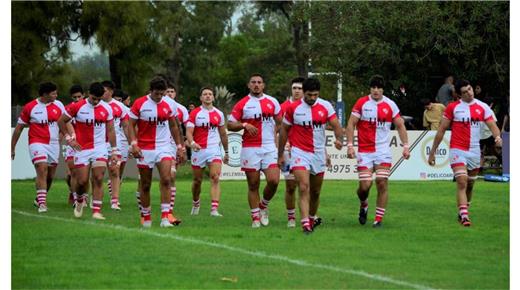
(416, 168)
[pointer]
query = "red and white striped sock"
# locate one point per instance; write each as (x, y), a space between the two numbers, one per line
(312, 218)
(364, 204)
(138, 197)
(146, 213)
(96, 206)
(41, 196)
(173, 193)
(214, 205)
(165, 210)
(380, 212)
(196, 203)
(255, 214)
(114, 200)
(291, 214)
(306, 223)
(263, 204)
(109, 184)
(463, 210)
(81, 197)
(75, 197)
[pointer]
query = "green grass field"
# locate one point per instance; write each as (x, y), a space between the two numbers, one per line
(420, 246)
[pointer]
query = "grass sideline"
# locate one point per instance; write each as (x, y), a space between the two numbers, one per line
(420, 244)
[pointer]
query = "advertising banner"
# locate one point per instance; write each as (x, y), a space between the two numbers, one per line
(416, 168)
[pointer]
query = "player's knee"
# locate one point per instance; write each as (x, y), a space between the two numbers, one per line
(365, 177)
(303, 186)
(382, 174)
(165, 182)
(214, 177)
(253, 185)
(461, 175)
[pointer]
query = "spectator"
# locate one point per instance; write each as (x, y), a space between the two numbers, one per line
(191, 106)
(432, 114)
(446, 91)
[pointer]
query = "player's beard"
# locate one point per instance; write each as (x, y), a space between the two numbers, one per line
(309, 102)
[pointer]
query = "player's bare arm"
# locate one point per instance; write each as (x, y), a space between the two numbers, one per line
(111, 133)
(16, 135)
(68, 131)
(224, 140)
(403, 135)
(445, 124)
(189, 137)
(134, 149)
(282, 139)
(337, 133)
(237, 126)
(492, 125)
(177, 136)
(351, 125)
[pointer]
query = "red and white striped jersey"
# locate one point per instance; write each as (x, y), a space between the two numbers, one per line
(308, 124)
(120, 113)
(42, 120)
(466, 122)
(285, 105)
(73, 120)
(91, 129)
(375, 120)
(206, 124)
(259, 112)
(182, 114)
(153, 129)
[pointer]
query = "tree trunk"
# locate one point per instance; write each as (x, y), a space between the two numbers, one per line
(115, 74)
(300, 44)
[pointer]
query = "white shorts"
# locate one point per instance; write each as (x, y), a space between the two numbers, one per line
(151, 157)
(464, 158)
(69, 153)
(315, 162)
(85, 157)
(286, 169)
(258, 158)
(370, 160)
(123, 149)
(203, 157)
(49, 153)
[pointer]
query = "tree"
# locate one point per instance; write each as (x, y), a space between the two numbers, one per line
(40, 34)
(124, 32)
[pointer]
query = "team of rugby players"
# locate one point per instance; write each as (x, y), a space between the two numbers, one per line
(101, 132)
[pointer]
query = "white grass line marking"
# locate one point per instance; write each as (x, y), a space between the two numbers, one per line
(232, 249)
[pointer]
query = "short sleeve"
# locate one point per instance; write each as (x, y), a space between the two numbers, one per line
(25, 116)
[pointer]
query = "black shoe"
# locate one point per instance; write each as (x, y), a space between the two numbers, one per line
(316, 222)
(363, 216)
(377, 224)
(307, 231)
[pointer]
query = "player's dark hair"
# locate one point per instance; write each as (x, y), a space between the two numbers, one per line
(124, 97)
(426, 101)
(297, 80)
(96, 89)
(170, 85)
(109, 84)
(377, 81)
(206, 88)
(256, 75)
(311, 84)
(158, 83)
(118, 93)
(459, 84)
(46, 88)
(75, 89)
